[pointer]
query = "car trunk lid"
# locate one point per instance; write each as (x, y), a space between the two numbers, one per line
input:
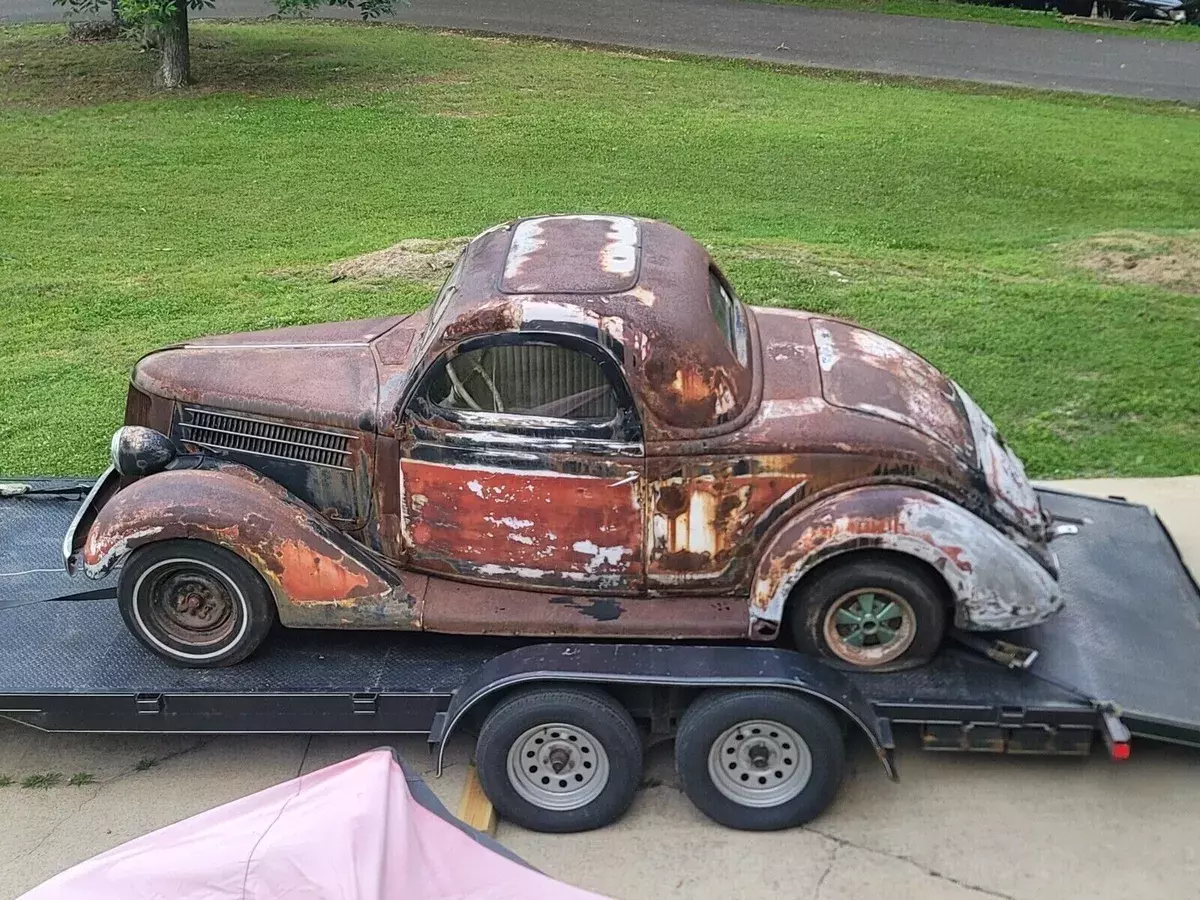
(867, 373)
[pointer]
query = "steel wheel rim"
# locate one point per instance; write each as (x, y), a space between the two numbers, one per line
(558, 766)
(230, 616)
(870, 626)
(760, 763)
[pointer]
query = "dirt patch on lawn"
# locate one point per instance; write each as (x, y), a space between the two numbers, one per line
(1135, 257)
(416, 259)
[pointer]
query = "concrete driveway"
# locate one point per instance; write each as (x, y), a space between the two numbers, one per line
(954, 827)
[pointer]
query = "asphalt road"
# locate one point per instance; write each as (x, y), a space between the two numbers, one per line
(892, 45)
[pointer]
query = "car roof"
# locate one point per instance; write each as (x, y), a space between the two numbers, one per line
(639, 287)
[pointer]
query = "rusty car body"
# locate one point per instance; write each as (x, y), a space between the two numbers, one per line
(587, 433)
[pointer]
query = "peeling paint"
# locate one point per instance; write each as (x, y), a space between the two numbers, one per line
(302, 558)
(103, 550)
(778, 409)
(620, 254)
(600, 556)
(643, 295)
(477, 518)
(826, 351)
(996, 584)
(526, 242)
(868, 373)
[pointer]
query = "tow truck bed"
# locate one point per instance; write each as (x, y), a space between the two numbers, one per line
(1126, 642)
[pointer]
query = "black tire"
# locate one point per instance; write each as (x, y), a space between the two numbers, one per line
(166, 587)
(525, 723)
(843, 586)
(710, 728)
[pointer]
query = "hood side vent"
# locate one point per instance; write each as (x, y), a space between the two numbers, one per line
(260, 437)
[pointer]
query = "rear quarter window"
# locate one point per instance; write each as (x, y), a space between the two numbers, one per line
(728, 314)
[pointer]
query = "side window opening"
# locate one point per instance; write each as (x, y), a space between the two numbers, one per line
(728, 314)
(531, 379)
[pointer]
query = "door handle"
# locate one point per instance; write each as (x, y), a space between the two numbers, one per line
(631, 477)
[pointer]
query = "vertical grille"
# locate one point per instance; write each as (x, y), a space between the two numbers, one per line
(243, 434)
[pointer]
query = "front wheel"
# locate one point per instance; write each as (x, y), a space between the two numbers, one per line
(559, 759)
(870, 613)
(194, 603)
(759, 760)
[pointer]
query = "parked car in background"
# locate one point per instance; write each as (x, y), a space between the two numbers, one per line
(588, 433)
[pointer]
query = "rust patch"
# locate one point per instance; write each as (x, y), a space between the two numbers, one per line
(487, 318)
(635, 282)
(707, 515)
(572, 254)
(994, 583)
(309, 576)
(535, 527)
(866, 372)
(305, 560)
(463, 608)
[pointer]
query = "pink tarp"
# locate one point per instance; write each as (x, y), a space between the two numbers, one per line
(352, 831)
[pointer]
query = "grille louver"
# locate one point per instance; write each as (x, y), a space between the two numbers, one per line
(242, 434)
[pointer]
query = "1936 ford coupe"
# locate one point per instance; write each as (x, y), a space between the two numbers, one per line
(586, 434)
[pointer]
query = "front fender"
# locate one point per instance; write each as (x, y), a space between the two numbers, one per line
(995, 584)
(318, 576)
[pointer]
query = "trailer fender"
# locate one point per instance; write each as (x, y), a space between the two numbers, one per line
(995, 584)
(318, 576)
(666, 665)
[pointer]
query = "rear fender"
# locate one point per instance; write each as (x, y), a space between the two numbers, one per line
(318, 576)
(994, 583)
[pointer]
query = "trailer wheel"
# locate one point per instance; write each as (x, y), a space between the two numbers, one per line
(870, 613)
(759, 760)
(194, 603)
(559, 759)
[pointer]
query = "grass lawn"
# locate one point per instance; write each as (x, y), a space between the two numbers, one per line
(949, 219)
(1003, 15)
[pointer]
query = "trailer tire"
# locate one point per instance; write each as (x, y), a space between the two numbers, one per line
(585, 733)
(759, 760)
(194, 604)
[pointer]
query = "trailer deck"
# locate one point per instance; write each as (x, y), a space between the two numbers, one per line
(1126, 644)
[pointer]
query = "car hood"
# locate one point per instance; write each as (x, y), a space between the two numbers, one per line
(867, 373)
(321, 374)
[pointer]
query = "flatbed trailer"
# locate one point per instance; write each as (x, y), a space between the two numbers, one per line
(1120, 661)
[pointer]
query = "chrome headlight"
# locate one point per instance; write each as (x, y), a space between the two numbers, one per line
(136, 450)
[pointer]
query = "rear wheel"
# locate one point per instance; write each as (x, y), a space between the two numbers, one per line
(194, 603)
(759, 760)
(559, 759)
(870, 613)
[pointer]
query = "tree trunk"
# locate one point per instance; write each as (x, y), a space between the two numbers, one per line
(173, 41)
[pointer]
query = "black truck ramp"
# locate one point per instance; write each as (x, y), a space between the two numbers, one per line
(1130, 635)
(1127, 644)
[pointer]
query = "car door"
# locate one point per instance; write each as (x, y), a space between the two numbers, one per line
(522, 465)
